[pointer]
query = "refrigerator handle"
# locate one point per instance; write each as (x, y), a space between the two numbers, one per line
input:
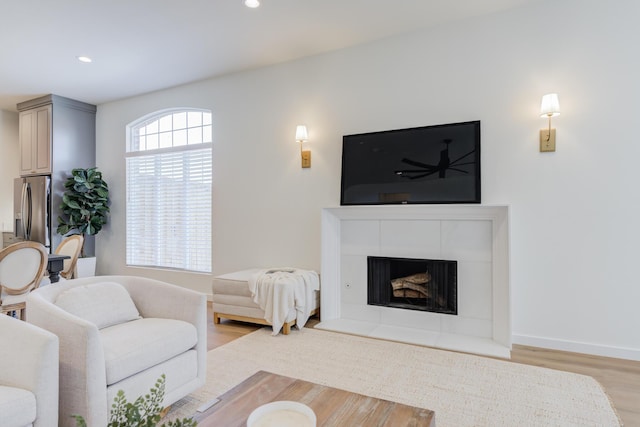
(23, 201)
(26, 209)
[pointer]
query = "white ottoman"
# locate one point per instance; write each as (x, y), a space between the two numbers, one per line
(232, 300)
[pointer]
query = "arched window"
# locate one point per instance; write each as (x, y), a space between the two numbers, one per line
(169, 161)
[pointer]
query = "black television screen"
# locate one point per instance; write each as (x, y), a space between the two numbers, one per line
(430, 164)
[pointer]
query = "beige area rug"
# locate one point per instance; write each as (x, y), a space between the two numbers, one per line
(463, 390)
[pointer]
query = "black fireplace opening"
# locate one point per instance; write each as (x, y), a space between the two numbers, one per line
(414, 284)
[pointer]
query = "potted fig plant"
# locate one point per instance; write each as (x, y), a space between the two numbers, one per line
(85, 207)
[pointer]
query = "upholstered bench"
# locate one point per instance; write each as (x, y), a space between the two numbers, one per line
(232, 300)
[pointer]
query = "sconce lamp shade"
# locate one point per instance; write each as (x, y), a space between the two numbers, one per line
(252, 3)
(301, 133)
(550, 106)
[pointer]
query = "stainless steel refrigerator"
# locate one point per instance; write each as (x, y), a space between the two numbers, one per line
(32, 209)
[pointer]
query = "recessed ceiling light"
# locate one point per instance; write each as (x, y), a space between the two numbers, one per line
(252, 3)
(84, 59)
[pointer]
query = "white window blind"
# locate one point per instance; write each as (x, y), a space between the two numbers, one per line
(169, 181)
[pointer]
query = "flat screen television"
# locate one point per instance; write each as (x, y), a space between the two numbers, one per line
(430, 164)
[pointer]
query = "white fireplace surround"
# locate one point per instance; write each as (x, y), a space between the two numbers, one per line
(476, 236)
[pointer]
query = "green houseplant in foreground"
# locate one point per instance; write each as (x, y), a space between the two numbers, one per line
(85, 203)
(143, 412)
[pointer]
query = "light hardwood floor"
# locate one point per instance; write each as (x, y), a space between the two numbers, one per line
(619, 378)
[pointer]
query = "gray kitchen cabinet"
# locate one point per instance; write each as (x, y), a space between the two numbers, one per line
(35, 141)
(57, 134)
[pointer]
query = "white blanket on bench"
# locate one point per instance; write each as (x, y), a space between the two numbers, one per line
(278, 290)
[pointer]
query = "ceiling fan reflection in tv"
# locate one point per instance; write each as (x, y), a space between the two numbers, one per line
(441, 168)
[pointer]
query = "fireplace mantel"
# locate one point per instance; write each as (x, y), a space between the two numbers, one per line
(476, 235)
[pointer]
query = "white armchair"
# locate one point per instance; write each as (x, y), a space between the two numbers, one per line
(121, 333)
(28, 375)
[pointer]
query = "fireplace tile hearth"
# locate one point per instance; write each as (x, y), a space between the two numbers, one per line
(445, 341)
(475, 236)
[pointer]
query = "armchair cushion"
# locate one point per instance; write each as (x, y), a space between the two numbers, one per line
(17, 406)
(104, 304)
(132, 347)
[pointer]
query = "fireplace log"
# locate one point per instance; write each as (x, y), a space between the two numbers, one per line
(408, 293)
(418, 279)
(414, 286)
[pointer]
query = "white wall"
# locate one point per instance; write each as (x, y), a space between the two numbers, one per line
(574, 212)
(9, 166)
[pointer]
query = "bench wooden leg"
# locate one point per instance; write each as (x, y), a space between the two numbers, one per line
(165, 411)
(216, 318)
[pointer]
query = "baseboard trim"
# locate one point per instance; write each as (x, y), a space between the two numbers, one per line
(578, 347)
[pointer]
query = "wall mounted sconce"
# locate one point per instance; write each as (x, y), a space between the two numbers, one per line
(302, 136)
(550, 107)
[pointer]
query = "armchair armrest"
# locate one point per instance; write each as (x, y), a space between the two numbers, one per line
(154, 298)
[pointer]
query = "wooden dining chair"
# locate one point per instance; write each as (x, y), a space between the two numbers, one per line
(22, 266)
(71, 246)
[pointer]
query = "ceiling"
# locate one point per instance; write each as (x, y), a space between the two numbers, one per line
(139, 46)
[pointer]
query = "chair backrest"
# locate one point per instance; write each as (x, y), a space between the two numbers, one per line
(22, 266)
(70, 246)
